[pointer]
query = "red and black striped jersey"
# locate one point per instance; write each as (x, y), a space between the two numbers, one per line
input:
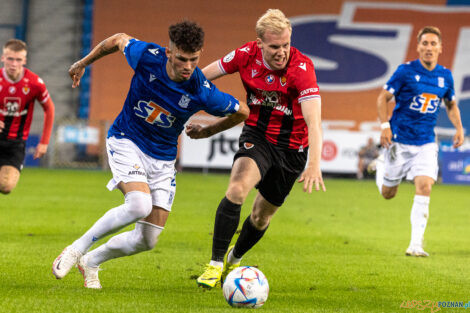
(274, 97)
(17, 103)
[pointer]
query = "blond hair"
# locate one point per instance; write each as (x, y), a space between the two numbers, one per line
(15, 45)
(429, 30)
(273, 20)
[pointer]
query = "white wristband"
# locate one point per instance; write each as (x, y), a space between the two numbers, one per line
(385, 125)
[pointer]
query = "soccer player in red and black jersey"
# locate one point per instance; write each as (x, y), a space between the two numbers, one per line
(19, 88)
(283, 126)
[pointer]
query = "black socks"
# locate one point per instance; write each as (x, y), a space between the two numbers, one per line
(249, 236)
(227, 218)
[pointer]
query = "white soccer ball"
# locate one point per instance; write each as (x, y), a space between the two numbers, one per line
(246, 286)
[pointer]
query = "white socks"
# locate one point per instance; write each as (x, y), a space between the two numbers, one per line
(379, 174)
(232, 259)
(137, 205)
(216, 263)
(144, 237)
(419, 218)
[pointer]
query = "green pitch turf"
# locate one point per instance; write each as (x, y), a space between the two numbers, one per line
(339, 251)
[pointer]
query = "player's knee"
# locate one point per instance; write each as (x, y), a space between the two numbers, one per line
(424, 190)
(6, 188)
(260, 221)
(150, 241)
(388, 193)
(236, 193)
(139, 204)
(148, 234)
(4, 191)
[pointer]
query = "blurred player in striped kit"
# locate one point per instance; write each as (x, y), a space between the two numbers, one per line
(20, 88)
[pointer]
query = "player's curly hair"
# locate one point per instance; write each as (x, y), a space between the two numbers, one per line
(187, 36)
(15, 45)
(429, 30)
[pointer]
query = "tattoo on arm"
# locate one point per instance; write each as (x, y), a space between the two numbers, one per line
(103, 49)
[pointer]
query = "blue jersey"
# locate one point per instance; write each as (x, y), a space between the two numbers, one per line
(418, 94)
(156, 108)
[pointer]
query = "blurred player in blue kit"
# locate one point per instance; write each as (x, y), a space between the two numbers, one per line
(166, 90)
(410, 146)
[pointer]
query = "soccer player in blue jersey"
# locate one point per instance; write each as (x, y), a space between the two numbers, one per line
(167, 88)
(408, 137)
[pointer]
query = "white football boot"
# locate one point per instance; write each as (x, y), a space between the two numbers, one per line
(416, 250)
(90, 274)
(65, 261)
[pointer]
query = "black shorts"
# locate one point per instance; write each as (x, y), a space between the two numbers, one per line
(279, 168)
(12, 153)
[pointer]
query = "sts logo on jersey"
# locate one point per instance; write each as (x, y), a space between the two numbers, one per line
(425, 103)
(154, 114)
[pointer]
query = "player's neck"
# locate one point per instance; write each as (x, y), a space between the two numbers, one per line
(13, 77)
(428, 65)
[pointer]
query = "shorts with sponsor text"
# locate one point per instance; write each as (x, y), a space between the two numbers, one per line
(12, 153)
(129, 164)
(279, 168)
(402, 160)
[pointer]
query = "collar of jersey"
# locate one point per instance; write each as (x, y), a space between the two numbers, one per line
(422, 68)
(8, 78)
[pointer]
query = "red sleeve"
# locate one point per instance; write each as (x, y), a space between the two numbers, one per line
(306, 81)
(49, 109)
(232, 61)
(43, 94)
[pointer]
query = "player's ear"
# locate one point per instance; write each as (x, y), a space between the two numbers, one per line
(259, 42)
(168, 52)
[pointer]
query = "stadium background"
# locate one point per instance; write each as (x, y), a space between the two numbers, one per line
(355, 47)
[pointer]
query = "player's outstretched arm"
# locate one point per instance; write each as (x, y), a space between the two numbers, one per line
(109, 45)
(312, 176)
(213, 71)
(453, 112)
(2, 125)
(197, 131)
(382, 108)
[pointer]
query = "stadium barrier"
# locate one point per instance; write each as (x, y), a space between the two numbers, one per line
(79, 143)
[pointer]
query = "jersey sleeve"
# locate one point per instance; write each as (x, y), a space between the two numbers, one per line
(395, 83)
(306, 82)
(42, 94)
(220, 103)
(234, 60)
(450, 94)
(134, 51)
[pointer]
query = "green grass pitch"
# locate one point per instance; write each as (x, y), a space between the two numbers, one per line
(338, 251)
